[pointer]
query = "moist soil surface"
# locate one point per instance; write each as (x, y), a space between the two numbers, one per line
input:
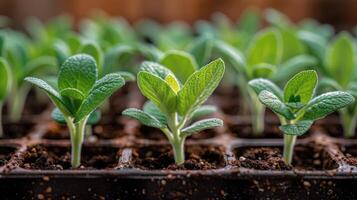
(161, 157)
(351, 155)
(307, 157)
(5, 154)
(41, 157)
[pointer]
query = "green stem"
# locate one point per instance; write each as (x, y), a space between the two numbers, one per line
(289, 143)
(177, 142)
(17, 102)
(1, 126)
(179, 152)
(257, 110)
(349, 122)
(77, 135)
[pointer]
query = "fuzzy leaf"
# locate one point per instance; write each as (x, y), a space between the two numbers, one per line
(200, 126)
(298, 129)
(72, 93)
(154, 111)
(93, 118)
(173, 83)
(158, 91)
(292, 46)
(275, 104)
(341, 59)
(143, 117)
(201, 49)
(265, 48)
(199, 87)
(156, 69)
(180, 63)
(79, 72)
(301, 87)
(231, 55)
(5, 79)
(263, 70)
(93, 49)
(101, 90)
(52, 93)
(325, 104)
(261, 84)
(127, 76)
(202, 111)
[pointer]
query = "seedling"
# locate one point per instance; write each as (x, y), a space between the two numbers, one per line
(340, 74)
(272, 54)
(79, 93)
(173, 106)
(5, 82)
(296, 106)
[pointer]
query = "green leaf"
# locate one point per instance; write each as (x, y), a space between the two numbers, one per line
(341, 59)
(155, 69)
(201, 49)
(202, 111)
(315, 43)
(127, 76)
(40, 64)
(263, 70)
(301, 87)
(231, 55)
(297, 129)
(93, 118)
(200, 126)
(158, 91)
(261, 84)
(265, 48)
(93, 49)
(101, 90)
(293, 66)
(199, 87)
(292, 46)
(277, 18)
(52, 93)
(173, 83)
(5, 79)
(275, 104)
(180, 63)
(79, 72)
(72, 93)
(150, 108)
(328, 83)
(143, 117)
(325, 104)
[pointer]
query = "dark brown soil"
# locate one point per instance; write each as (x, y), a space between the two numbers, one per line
(351, 154)
(40, 157)
(5, 154)
(306, 157)
(161, 157)
(17, 130)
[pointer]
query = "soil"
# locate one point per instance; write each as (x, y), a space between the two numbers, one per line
(245, 131)
(5, 154)
(161, 157)
(228, 100)
(306, 157)
(17, 130)
(40, 157)
(351, 154)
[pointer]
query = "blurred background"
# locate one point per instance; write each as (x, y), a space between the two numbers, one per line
(339, 13)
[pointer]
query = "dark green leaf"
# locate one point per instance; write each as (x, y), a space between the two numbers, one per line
(275, 104)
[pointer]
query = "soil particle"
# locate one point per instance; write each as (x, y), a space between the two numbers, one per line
(161, 157)
(58, 158)
(350, 155)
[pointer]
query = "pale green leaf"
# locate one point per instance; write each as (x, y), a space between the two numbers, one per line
(202, 111)
(261, 84)
(301, 87)
(156, 69)
(325, 104)
(231, 55)
(297, 129)
(200, 126)
(154, 111)
(275, 104)
(5, 79)
(143, 117)
(79, 72)
(199, 87)
(262, 70)
(72, 93)
(201, 49)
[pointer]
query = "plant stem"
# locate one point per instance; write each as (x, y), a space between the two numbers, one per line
(289, 143)
(1, 127)
(349, 122)
(177, 142)
(77, 134)
(179, 152)
(257, 111)
(17, 102)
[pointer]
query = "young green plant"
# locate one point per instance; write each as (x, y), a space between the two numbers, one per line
(78, 94)
(174, 105)
(296, 106)
(340, 74)
(5, 82)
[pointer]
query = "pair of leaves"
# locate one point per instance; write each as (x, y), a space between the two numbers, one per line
(80, 93)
